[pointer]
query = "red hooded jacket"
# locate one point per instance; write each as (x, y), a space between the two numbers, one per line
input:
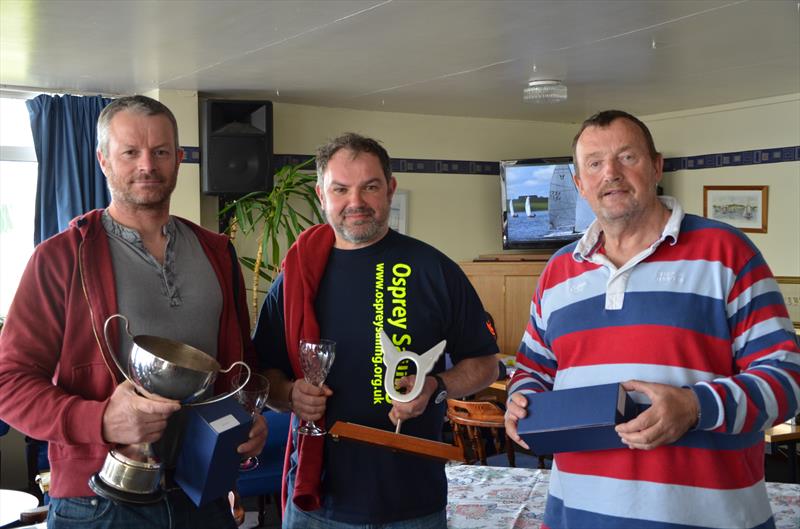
(56, 375)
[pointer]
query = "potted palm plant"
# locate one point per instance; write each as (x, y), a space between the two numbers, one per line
(278, 216)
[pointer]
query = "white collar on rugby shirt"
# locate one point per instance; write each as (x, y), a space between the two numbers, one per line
(588, 243)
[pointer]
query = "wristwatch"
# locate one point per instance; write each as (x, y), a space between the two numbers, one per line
(440, 394)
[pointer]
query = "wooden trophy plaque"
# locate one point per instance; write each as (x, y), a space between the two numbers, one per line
(395, 440)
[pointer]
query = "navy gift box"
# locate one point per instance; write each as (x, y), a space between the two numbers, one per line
(577, 419)
(208, 465)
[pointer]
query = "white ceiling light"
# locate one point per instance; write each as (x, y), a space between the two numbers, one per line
(544, 91)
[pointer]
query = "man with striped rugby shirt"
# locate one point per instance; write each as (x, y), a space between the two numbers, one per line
(684, 312)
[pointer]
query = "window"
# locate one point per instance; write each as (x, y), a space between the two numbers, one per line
(18, 175)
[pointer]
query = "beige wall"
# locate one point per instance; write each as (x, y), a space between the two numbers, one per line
(764, 123)
(186, 200)
(459, 214)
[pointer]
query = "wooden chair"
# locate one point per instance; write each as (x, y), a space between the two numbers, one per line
(467, 418)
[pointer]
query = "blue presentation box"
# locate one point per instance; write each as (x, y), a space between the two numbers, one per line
(575, 420)
(208, 464)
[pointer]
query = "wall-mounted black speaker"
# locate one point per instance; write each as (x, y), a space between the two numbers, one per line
(236, 146)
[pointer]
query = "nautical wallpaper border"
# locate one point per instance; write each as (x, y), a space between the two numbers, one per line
(684, 163)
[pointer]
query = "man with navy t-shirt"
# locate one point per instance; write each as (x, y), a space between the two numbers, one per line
(347, 281)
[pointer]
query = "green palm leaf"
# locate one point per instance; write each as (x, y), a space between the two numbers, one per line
(275, 212)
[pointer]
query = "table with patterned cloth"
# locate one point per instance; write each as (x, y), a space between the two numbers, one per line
(484, 497)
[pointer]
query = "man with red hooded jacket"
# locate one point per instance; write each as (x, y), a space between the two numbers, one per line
(168, 276)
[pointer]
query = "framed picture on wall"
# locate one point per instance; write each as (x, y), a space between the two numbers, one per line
(790, 288)
(398, 215)
(744, 207)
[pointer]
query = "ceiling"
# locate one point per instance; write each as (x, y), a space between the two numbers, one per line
(449, 57)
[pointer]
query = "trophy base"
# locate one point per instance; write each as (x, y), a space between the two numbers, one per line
(104, 490)
(128, 480)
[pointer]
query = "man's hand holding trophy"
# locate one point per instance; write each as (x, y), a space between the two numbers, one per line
(161, 375)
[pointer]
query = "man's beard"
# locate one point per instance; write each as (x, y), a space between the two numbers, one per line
(366, 229)
(152, 200)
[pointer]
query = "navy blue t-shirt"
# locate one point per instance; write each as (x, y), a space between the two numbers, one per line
(419, 297)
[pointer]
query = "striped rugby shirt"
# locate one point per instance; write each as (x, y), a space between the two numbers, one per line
(699, 308)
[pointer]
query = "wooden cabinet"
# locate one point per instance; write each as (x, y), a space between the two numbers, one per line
(506, 288)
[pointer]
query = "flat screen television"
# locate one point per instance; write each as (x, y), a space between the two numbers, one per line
(541, 207)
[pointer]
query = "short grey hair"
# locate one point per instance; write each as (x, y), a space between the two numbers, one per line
(137, 104)
(356, 144)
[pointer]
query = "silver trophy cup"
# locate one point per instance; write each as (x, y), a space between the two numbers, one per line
(171, 370)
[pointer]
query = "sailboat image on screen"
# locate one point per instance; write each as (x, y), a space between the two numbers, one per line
(511, 207)
(554, 212)
(568, 212)
(528, 207)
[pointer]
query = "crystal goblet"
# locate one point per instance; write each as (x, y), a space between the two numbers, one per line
(316, 359)
(253, 398)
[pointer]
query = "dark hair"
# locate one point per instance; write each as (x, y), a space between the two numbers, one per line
(604, 119)
(138, 105)
(357, 144)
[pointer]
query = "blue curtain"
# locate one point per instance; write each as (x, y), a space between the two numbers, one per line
(70, 179)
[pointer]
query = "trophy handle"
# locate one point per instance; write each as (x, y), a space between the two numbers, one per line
(108, 343)
(225, 395)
